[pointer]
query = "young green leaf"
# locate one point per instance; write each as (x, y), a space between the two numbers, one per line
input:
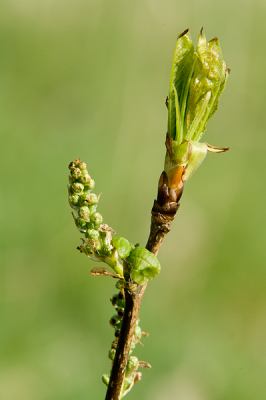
(145, 265)
(123, 246)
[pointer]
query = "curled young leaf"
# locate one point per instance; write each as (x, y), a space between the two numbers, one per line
(145, 265)
(123, 246)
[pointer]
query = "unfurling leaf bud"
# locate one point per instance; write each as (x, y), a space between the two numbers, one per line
(197, 80)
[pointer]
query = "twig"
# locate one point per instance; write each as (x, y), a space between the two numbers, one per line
(163, 212)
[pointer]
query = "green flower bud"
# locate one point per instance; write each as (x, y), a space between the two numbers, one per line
(131, 364)
(83, 166)
(137, 332)
(77, 187)
(106, 379)
(84, 212)
(115, 320)
(90, 185)
(89, 199)
(111, 354)
(89, 225)
(81, 224)
(74, 199)
(92, 234)
(75, 172)
(85, 178)
(118, 300)
(120, 312)
(96, 219)
(120, 284)
(71, 165)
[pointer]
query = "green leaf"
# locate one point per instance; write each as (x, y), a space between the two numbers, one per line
(145, 265)
(182, 68)
(123, 246)
(207, 83)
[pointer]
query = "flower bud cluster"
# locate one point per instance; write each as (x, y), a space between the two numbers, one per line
(98, 237)
(131, 374)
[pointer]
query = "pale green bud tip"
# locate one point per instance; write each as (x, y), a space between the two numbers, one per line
(106, 379)
(197, 80)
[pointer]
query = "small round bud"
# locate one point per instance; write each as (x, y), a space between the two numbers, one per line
(91, 184)
(117, 333)
(132, 347)
(114, 320)
(71, 165)
(74, 199)
(83, 166)
(75, 172)
(85, 178)
(114, 299)
(89, 199)
(81, 224)
(137, 332)
(92, 234)
(131, 364)
(121, 295)
(120, 312)
(111, 354)
(84, 212)
(77, 187)
(96, 219)
(106, 379)
(120, 284)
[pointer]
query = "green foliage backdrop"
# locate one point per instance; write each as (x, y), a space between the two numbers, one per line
(89, 79)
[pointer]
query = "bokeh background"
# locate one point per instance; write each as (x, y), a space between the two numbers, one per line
(88, 79)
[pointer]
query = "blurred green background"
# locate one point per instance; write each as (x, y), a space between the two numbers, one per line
(89, 79)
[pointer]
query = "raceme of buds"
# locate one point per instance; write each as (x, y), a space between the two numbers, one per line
(198, 78)
(141, 265)
(98, 237)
